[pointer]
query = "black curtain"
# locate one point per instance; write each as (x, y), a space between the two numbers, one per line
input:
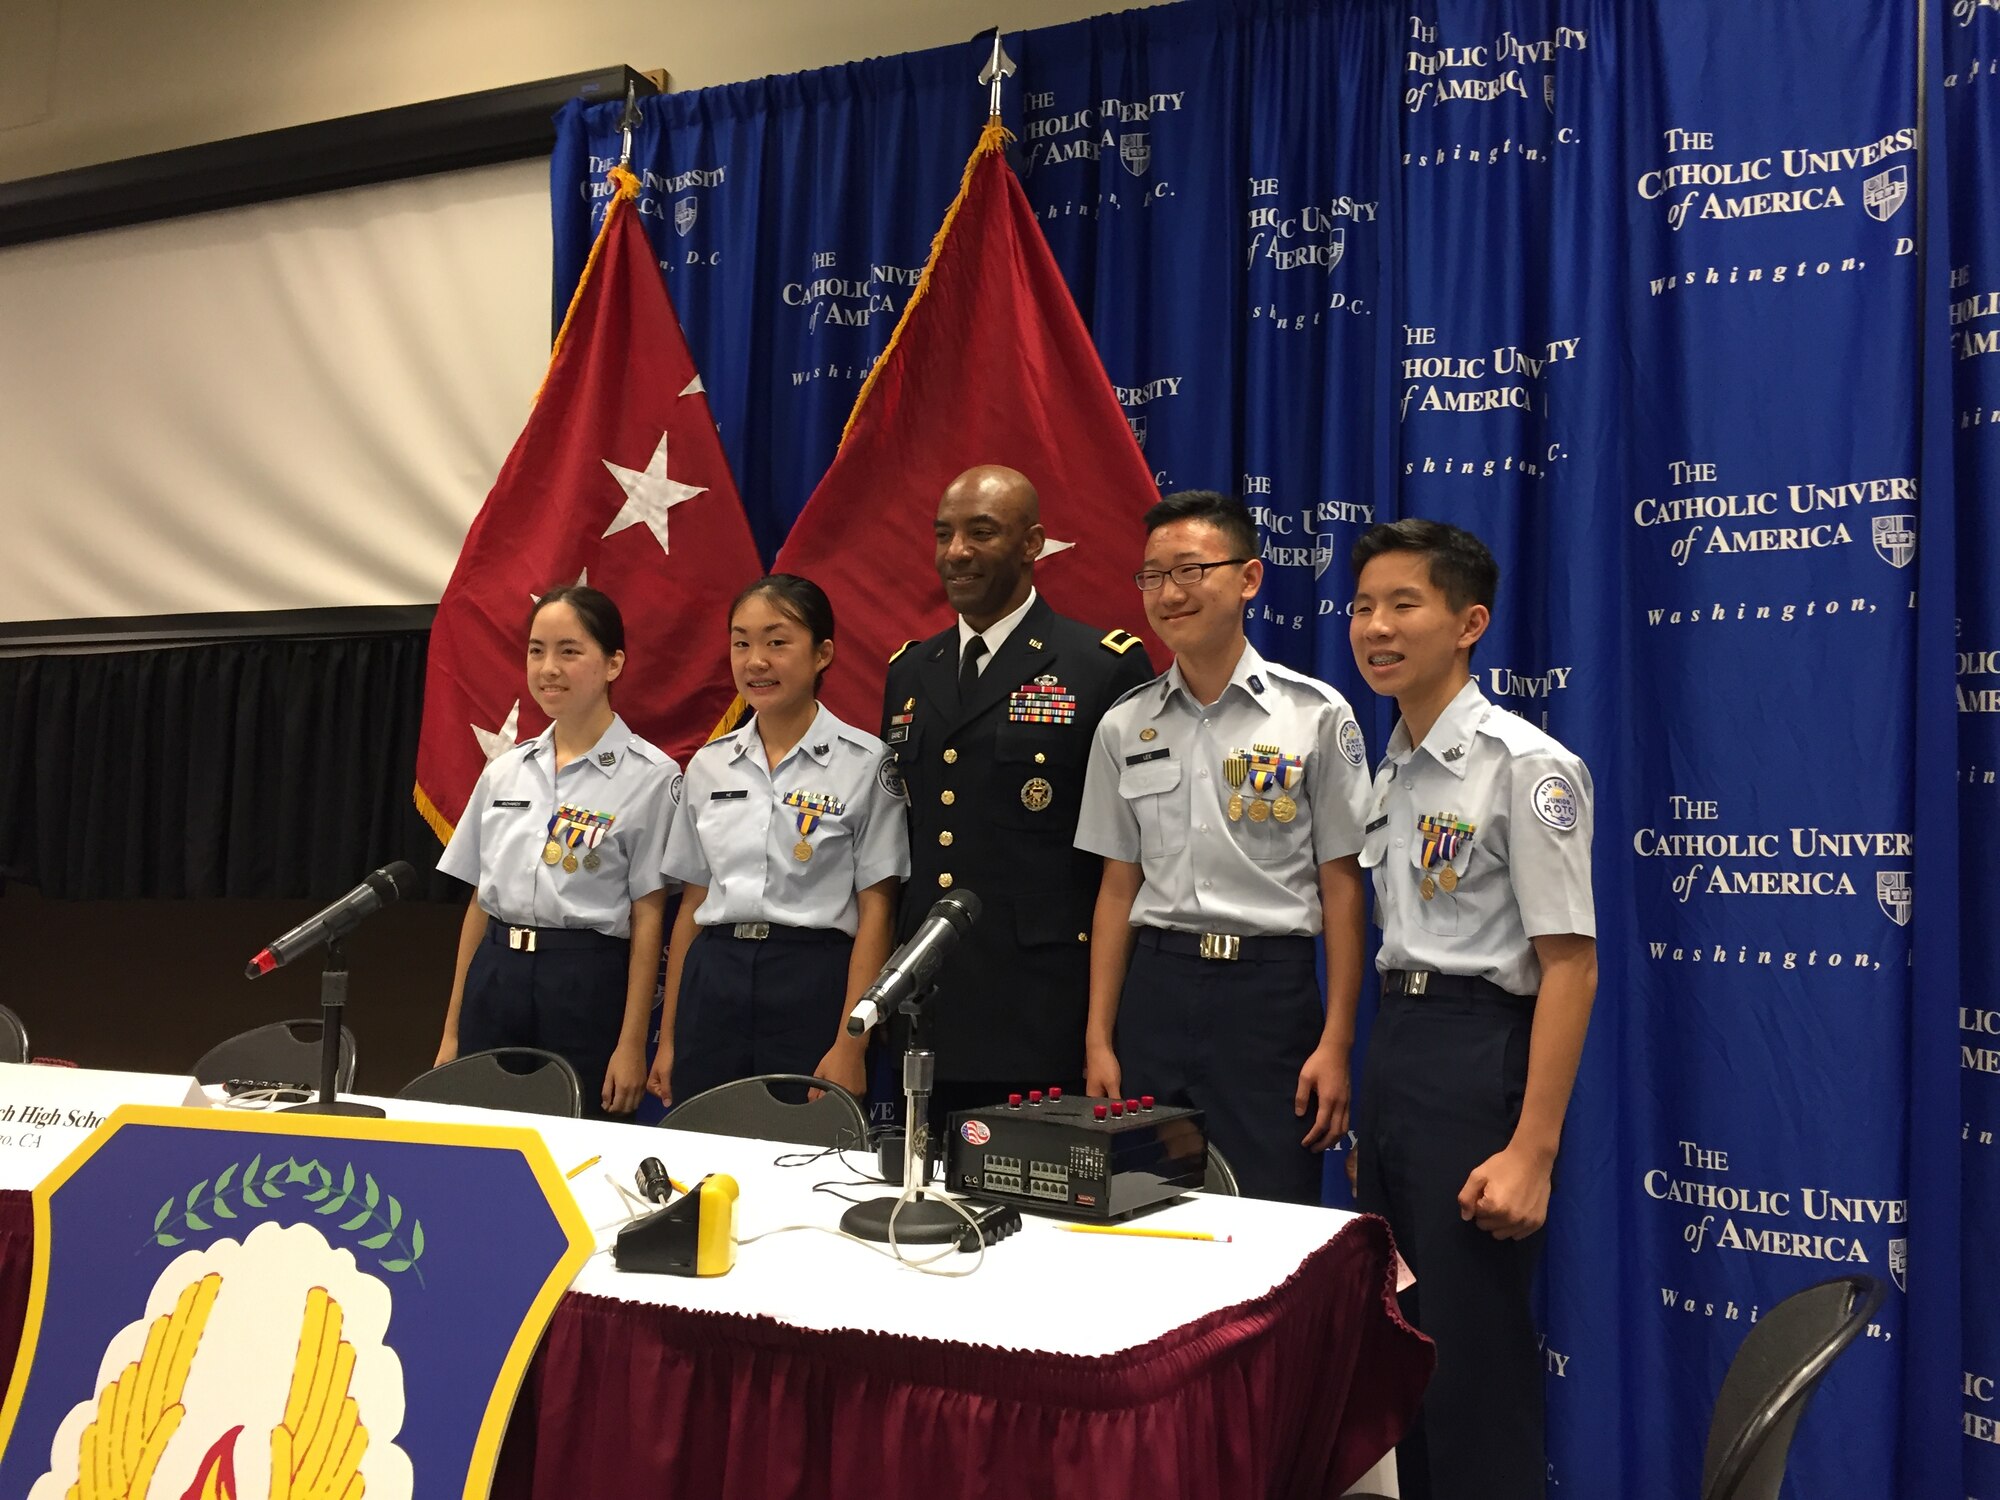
(254, 768)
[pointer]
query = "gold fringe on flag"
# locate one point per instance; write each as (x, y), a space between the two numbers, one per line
(994, 137)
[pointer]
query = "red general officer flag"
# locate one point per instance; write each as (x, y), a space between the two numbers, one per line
(991, 363)
(618, 480)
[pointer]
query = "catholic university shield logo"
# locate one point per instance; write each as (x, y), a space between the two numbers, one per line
(1138, 426)
(1884, 193)
(685, 210)
(1549, 91)
(1336, 246)
(1136, 152)
(1892, 894)
(1899, 1262)
(1896, 539)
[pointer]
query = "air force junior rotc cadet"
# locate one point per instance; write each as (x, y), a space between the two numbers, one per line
(1478, 836)
(990, 722)
(1226, 797)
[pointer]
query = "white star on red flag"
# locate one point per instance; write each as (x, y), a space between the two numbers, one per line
(650, 494)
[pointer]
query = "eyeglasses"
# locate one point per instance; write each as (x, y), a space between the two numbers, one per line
(1187, 575)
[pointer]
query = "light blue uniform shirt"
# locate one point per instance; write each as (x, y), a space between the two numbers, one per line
(1158, 790)
(499, 840)
(1521, 872)
(737, 836)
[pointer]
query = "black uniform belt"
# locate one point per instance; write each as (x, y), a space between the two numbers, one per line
(1227, 946)
(774, 932)
(1430, 985)
(549, 939)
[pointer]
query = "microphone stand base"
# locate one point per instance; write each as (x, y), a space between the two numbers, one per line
(923, 1221)
(335, 1107)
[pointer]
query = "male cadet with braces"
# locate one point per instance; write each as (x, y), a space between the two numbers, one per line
(1226, 797)
(990, 722)
(1478, 836)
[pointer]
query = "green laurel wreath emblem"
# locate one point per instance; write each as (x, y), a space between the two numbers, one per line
(374, 1215)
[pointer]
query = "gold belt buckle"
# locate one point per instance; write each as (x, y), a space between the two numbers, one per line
(521, 939)
(756, 932)
(1222, 945)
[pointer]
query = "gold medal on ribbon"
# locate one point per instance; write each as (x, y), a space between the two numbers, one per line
(1284, 809)
(1448, 877)
(1427, 888)
(1234, 768)
(569, 864)
(1260, 811)
(551, 852)
(802, 851)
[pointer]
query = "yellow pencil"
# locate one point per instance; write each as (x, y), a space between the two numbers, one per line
(1151, 1234)
(582, 1167)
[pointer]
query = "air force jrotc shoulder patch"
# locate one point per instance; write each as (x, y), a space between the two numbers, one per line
(674, 788)
(1555, 803)
(1350, 742)
(890, 776)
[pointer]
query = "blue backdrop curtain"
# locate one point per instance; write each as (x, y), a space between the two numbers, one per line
(1669, 303)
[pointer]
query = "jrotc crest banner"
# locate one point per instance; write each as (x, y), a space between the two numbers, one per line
(1658, 299)
(235, 1307)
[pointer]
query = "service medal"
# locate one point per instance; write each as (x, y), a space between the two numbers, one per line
(1037, 794)
(1448, 877)
(1260, 811)
(569, 864)
(802, 851)
(591, 862)
(1427, 888)
(1234, 768)
(1284, 809)
(551, 852)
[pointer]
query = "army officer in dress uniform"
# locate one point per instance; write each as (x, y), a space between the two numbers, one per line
(991, 722)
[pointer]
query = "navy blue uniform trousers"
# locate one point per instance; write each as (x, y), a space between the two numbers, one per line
(566, 997)
(1228, 1039)
(753, 1006)
(1443, 1090)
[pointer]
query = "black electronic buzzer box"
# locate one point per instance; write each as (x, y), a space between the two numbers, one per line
(1077, 1158)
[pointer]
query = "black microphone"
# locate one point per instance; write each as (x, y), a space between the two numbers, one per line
(337, 920)
(911, 966)
(654, 1184)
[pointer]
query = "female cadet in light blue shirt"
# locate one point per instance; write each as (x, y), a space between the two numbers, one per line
(791, 841)
(562, 838)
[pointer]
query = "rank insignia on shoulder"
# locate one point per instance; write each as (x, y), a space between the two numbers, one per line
(901, 649)
(1119, 641)
(607, 758)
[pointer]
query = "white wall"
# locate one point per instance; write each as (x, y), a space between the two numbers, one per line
(84, 81)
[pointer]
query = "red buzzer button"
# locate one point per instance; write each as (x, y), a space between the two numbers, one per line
(1117, 1109)
(1145, 1101)
(1054, 1094)
(1013, 1101)
(1132, 1106)
(1099, 1110)
(1034, 1096)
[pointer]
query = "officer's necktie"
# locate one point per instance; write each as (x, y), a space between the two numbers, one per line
(968, 668)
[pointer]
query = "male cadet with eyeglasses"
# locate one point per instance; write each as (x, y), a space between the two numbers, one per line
(1226, 797)
(1478, 836)
(990, 722)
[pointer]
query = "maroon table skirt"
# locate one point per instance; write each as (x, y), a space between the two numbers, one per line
(1295, 1393)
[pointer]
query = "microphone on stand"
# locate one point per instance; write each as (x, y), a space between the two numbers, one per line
(909, 969)
(337, 920)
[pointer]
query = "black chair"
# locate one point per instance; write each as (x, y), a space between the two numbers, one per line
(13, 1037)
(518, 1078)
(752, 1107)
(1221, 1178)
(284, 1052)
(1772, 1377)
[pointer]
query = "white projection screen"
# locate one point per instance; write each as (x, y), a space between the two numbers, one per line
(297, 405)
